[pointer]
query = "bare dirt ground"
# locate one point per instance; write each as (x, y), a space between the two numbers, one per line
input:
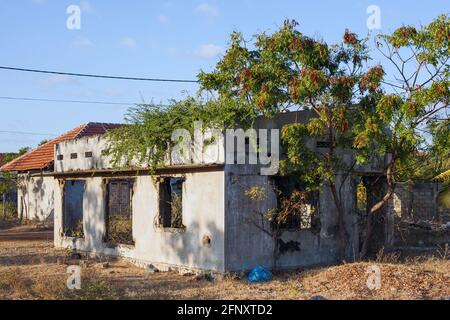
(35, 270)
(26, 233)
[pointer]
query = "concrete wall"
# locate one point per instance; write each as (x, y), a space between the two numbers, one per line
(417, 201)
(35, 197)
(201, 153)
(246, 246)
(203, 215)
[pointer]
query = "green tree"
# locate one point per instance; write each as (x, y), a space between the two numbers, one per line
(444, 194)
(147, 135)
(287, 70)
(416, 101)
(8, 180)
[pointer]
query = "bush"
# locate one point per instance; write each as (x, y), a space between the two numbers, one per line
(10, 212)
(77, 231)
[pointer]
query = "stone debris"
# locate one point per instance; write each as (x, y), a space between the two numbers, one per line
(151, 269)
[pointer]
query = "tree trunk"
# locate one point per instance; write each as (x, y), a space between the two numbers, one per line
(4, 206)
(343, 241)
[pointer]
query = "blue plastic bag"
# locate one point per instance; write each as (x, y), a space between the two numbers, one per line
(259, 274)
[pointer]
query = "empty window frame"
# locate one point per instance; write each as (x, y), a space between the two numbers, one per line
(73, 196)
(171, 202)
(299, 209)
(119, 226)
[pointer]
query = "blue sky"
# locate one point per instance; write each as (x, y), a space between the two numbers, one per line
(166, 39)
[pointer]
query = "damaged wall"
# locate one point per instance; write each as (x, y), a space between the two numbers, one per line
(203, 215)
(35, 197)
(417, 219)
(246, 246)
(418, 201)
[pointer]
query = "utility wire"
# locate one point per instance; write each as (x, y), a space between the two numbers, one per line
(28, 133)
(97, 75)
(67, 101)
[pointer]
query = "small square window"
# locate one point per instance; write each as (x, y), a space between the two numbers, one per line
(322, 144)
(59, 157)
(73, 155)
(88, 154)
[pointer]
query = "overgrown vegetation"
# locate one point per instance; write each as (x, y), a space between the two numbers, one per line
(76, 231)
(9, 216)
(120, 230)
(146, 139)
(444, 195)
(294, 213)
(177, 211)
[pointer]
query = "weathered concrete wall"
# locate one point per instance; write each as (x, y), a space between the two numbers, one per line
(203, 215)
(201, 153)
(416, 218)
(35, 197)
(417, 201)
(246, 246)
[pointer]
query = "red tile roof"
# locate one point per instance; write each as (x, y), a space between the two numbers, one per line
(43, 156)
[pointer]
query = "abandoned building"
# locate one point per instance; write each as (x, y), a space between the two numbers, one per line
(35, 191)
(192, 215)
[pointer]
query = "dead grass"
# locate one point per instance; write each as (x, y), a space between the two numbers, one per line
(34, 270)
(120, 230)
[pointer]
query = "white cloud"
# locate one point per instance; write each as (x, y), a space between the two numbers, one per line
(209, 51)
(208, 10)
(163, 19)
(128, 42)
(82, 42)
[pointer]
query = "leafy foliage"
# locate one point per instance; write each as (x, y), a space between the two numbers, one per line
(8, 179)
(288, 70)
(147, 136)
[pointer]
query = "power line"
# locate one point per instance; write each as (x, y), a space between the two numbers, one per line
(67, 101)
(29, 133)
(97, 75)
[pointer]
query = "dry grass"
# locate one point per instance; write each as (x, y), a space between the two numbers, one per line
(120, 230)
(34, 270)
